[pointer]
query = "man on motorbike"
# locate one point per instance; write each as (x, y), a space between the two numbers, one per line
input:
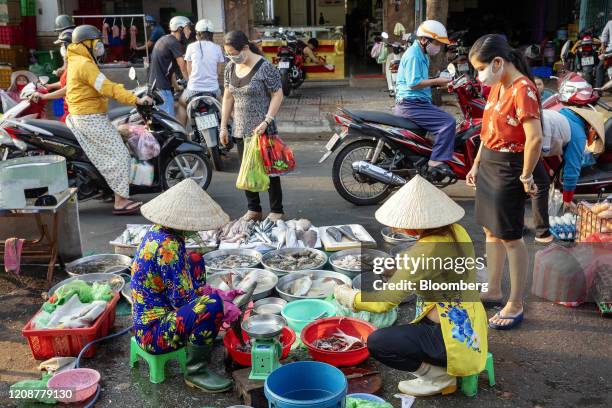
(156, 33)
(413, 96)
(168, 53)
(59, 88)
(203, 58)
(87, 93)
(606, 46)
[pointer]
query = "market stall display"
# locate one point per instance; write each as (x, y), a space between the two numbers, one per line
(315, 284)
(270, 305)
(101, 263)
(267, 234)
(352, 262)
(130, 238)
(224, 259)
(593, 219)
(243, 278)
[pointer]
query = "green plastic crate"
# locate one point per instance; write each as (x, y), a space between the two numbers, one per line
(28, 8)
(50, 60)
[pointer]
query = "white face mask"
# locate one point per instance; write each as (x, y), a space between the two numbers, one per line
(99, 49)
(63, 51)
(488, 77)
(432, 49)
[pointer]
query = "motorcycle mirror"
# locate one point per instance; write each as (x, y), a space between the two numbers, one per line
(451, 69)
(281, 30)
(132, 73)
(384, 35)
(43, 79)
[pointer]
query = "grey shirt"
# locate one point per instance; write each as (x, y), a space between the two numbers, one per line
(605, 36)
(252, 95)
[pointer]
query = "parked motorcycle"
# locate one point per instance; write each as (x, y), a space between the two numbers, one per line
(204, 113)
(583, 56)
(178, 158)
(394, 57)
(290, 60)
(457, 53)
(380, 151)
(606, 57)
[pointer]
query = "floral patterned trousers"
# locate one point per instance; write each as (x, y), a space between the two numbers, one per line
(197, 322)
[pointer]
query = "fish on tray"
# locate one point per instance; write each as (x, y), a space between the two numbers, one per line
(339, 341)
(336, 233)
(308, 286)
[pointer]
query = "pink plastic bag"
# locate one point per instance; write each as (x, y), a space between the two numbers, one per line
(143, 143)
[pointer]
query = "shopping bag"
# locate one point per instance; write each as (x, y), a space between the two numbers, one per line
(252, 175)
(277, 156)
(143, 143)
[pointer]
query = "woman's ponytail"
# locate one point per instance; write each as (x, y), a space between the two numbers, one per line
(519, 61)
(238, 40)
(254, 48)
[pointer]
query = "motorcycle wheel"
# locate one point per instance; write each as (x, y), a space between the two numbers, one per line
(187, 165)
(347, 185)
(286, 83)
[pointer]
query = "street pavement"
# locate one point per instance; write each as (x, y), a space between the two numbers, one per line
(559, 357)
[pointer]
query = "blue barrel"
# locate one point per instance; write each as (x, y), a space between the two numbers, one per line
(304, 384)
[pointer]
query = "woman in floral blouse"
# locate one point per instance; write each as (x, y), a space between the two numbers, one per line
(504, 168)
(172, 305)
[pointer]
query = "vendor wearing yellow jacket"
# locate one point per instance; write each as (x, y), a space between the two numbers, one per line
(87, 90)
(449, 336)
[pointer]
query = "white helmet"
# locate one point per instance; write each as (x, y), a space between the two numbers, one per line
(433, 29)
(178, 22)
(204, 25)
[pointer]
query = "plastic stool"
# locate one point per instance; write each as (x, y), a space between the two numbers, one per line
(157, 362)
(469, 384)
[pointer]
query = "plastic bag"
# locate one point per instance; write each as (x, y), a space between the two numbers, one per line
(382, 57)
(277, 156)
(252, 175)
(376, 48)
(37, 390)
(363, 403)
(555, 202)
(141, 173)
(143, 143)
(380, 320)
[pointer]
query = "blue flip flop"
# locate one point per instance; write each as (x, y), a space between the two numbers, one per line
(516, 320)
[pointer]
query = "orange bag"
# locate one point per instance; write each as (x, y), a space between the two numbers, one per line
(277, 156)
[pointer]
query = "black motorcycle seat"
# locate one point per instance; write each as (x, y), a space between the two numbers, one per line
(118, 112)
(388, 119)
(52, 126)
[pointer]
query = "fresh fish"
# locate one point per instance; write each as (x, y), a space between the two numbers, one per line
(300, 286)
(309, 238)
(350, 340)
(348, 232)
(291, 239)
(248, 280)
(334, 233)
(281, 224)
(291, 224)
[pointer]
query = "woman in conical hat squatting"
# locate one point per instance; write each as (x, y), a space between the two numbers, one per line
(448, 338)
(173, 306)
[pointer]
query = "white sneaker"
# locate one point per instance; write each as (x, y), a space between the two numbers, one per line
(431, 380)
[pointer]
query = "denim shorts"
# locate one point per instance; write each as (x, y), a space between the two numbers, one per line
(168, 105)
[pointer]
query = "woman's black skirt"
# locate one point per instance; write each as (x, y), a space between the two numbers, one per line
(500, 196)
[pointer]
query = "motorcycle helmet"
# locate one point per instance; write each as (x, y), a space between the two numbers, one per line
(65, 37)
(433, 29)
(178, 22)
(150, 20)
(533, 51)
(575, 90)
(204, 25)
(84, 33)
(63, 22)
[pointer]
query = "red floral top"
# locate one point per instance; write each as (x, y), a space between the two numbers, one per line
(502, 122)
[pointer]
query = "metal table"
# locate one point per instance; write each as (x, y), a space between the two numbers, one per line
(46, 245)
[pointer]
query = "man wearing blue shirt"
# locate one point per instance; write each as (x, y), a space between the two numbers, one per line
(156, 33)
(413, 96)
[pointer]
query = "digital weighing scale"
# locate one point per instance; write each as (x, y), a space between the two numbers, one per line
(266, 350)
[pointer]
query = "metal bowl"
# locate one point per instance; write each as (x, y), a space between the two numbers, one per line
(266, 281)
(386, 234)
(115, 281)
(102, 263)
(264, 326)
(285, 282)
(351, 273)
(271, 305)
(399, 248)
(288, 251)
(208, 257)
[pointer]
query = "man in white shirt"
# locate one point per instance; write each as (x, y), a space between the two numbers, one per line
(606, 46)
(203, 57)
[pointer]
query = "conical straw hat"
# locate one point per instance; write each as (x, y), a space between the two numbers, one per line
(185, 207)
(419, 205)
(594, 118)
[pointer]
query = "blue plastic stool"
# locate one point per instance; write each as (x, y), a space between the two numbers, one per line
(157, 362)
(469, 384)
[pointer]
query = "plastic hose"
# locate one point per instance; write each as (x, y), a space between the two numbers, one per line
(87, 346)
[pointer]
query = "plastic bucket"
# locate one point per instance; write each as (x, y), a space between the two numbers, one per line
(301, 312)
(320, 385)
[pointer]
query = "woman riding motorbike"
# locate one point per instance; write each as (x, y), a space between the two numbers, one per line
(87, 93)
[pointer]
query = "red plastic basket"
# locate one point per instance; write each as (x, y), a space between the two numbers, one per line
(11, 35)
(47, 343)
(230, 341)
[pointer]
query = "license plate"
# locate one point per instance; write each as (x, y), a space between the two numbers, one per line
(587, 61)
(206, 121)
(283, 64)
(463, 67)
(332, 142)
(610, 72)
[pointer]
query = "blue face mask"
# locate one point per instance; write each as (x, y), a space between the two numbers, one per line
(237, 59)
